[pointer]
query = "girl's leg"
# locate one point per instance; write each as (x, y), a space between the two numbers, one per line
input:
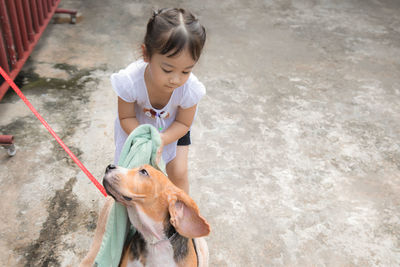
(177, 169)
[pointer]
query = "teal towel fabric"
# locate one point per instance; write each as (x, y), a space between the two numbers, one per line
(140, 148)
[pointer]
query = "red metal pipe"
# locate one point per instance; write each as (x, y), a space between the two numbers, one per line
(40, 11)
(45, 8)
(66, 11)
(28, 20)
(48, 7)
(35, 16)
(6, 139)
(16, 28)
(5, 24)
(3, 54)
(22, 24)
(18, 65)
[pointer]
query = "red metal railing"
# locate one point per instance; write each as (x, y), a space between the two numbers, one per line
(22, 23)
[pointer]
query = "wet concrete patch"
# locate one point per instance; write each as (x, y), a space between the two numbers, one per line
(60, 154)
(77, 79)
(63, 104)
(61, 220)
(59, 101)
(28, 79)
(64, 216)
(30, 127)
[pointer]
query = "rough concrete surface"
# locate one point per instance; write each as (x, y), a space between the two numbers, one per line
(295, 158)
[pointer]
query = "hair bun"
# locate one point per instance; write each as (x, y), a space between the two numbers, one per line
(155, 13)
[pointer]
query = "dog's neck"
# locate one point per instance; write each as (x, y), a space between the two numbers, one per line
(164, 246)
(152, 231)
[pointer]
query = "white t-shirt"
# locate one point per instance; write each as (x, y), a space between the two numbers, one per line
(129, 85)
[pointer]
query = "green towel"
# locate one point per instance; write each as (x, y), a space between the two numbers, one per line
(140, 148)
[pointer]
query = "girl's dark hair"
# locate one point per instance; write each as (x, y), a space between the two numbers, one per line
(171, 30)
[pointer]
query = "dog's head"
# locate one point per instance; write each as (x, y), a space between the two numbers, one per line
(152, 191)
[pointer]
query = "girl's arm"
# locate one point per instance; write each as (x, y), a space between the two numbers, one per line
(180, 126)
(127, 116)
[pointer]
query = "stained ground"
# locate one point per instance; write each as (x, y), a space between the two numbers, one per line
(295, 158)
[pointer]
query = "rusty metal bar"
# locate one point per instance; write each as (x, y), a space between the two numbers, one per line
(15, 27)
(5, 24)
(22, 24)
(6, 139)
(35, 16)
(66, 11)
(48, 6)
(45, 8)
(3, 54)
(28, 20)
(34, 32)
(39, 7)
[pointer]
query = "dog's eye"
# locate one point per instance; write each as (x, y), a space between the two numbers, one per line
(127, 198)
(144, 172)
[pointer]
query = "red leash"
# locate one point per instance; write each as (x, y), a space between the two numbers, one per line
(69, 152)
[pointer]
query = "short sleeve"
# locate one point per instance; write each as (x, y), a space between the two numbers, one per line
(123, 86)
(193, 91)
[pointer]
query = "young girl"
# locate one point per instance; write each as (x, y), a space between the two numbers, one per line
(161, 89)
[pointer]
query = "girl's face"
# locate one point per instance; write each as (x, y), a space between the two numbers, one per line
(168, 73)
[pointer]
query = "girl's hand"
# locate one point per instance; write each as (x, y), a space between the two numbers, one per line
(160, 150)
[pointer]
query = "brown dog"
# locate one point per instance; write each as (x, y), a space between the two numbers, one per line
(165, 217)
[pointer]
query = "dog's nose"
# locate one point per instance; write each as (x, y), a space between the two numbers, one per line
(110, 167)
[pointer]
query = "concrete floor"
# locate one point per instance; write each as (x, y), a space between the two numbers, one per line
(295, 158)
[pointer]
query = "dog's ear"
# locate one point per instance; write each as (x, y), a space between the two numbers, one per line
(185, 216)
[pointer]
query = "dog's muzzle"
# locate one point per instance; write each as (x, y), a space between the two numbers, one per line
(110, 167)
(106, 183)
